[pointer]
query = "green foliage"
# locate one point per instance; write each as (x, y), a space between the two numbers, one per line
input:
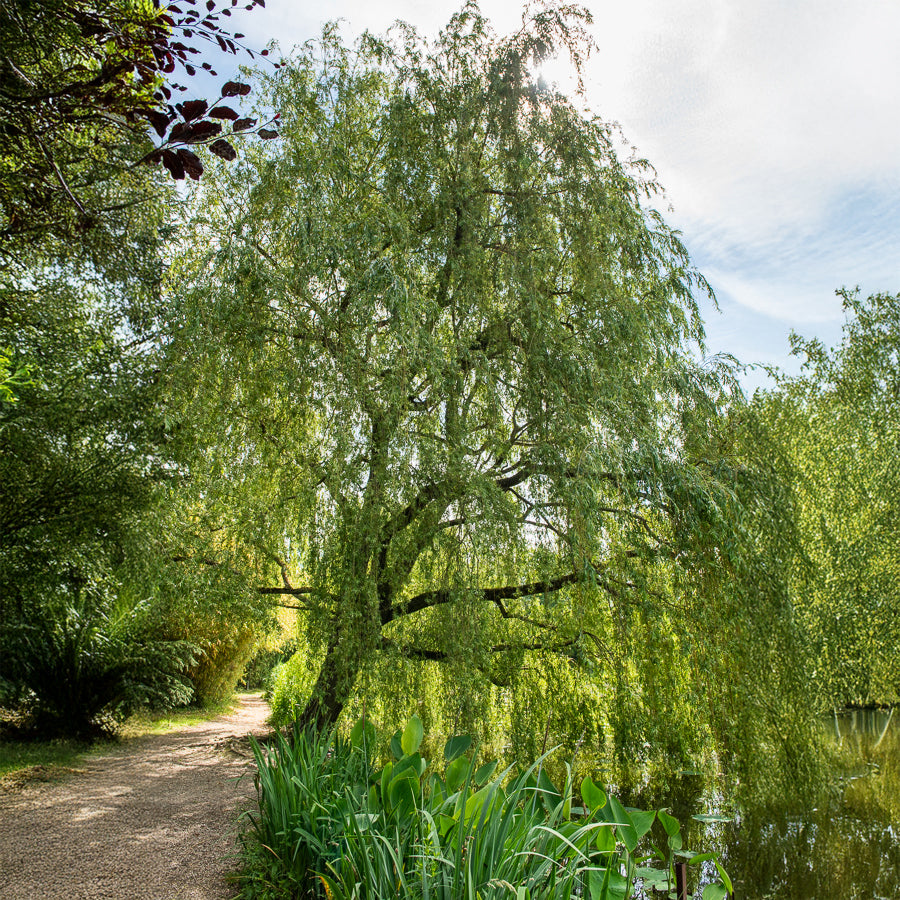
(290, 687)
(224, 658)
(259, 671)
(333, 825)
(443, 356)
(838, 424)
(79, 665)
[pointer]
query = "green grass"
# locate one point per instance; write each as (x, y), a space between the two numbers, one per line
(47, 756)
(145, 723)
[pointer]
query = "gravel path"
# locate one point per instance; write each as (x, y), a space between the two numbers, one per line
(152, 820)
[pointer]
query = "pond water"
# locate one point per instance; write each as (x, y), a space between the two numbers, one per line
(846, 848)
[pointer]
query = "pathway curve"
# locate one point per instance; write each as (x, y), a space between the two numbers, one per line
(154, 819)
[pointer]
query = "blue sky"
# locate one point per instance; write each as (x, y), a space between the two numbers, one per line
(774, 126)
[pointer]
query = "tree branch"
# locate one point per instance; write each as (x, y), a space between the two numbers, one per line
(495, 595)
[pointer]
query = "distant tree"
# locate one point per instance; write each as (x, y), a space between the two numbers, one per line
(839, 423)
(446, 361)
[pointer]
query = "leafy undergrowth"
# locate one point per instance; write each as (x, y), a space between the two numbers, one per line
(333, 826)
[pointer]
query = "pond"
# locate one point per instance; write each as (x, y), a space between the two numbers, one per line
(846, 848)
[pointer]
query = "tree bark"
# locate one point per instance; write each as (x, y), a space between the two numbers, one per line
(336, 680)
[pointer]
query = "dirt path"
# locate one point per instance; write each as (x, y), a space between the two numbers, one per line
(153, 820)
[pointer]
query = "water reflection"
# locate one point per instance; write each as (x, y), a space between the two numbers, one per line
(848, 847)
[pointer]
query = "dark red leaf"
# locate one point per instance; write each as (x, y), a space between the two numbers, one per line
(244, 90)
(263, 52)
(190, 69)
(226, 12)
(267, 134)
(243, 124)
(222, 112)
(191, 163)
(231, 89)
(201, 131)
(159, 121)
(193, 109)
(179, 131)
(210, 5)
(222, 43)
(222, 148)
(238, 35)
(172, 162)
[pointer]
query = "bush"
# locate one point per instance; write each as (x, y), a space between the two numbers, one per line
(331, 825)
(290, 685)
(79, 665)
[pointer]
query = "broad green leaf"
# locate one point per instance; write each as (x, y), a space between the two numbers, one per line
(412, 735)
(669, 823)
(605, 841)
(483, 773)
(715, 892)
(445, 823)
(363, 734)
(724, 876)
(396, 745)
(387, 773)
(456, 746)
(658, 879)
(604, 884)
(626, 830)
(593, 796)
(455, 774)
(402, 794)
(414, 761)
(547, 791)
(642, 821)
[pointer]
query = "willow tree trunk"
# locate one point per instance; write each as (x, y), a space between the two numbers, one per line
(333, 687)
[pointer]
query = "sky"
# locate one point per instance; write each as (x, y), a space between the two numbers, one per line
(774, 127)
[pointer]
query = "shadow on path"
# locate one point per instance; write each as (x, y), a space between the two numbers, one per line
(153, 820)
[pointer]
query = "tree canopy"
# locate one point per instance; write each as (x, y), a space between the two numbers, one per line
(446, 359)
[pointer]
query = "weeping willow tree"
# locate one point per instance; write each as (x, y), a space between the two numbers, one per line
(446, 359)
(838, 423)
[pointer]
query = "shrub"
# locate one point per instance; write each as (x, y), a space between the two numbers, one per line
(79, 664)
